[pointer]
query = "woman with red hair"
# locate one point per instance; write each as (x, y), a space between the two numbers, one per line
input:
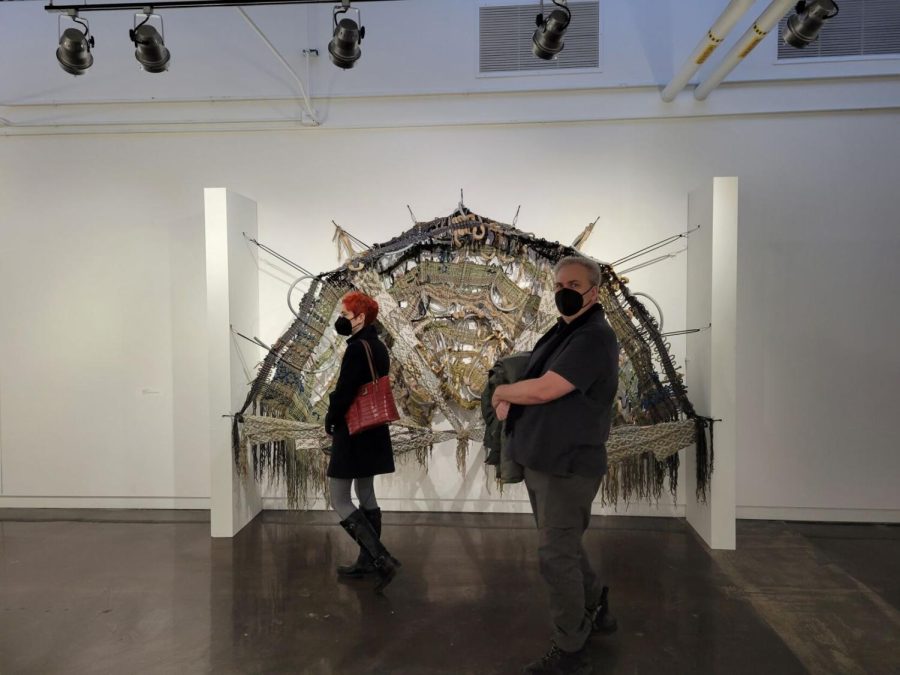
(360, 457)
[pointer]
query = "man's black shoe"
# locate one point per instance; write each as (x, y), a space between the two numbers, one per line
(558, 662)
(601, 619)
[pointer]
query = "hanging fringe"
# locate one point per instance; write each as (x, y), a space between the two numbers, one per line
(236, 447)
(462, 452)
(344, 241)
(301, 470)
(672, 464)
(640, 477)
(705, 456)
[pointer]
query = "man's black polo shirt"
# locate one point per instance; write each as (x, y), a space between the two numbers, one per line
(568, 435)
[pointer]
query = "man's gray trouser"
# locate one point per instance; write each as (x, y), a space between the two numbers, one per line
(562, 512)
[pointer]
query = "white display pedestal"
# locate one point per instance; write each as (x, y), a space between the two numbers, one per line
(710, 362)
(232, 299)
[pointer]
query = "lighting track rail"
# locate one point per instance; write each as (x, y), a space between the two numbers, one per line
(183, 4)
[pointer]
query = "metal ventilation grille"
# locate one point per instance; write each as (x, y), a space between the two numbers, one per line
(504, 38)
(861, 28)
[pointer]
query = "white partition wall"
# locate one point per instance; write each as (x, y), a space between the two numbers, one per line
(710, 361)
(232, 286)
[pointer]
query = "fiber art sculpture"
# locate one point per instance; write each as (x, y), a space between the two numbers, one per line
(456, 294)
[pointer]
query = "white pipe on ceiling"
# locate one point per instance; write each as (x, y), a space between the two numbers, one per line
(752, 37)
(306, 101)
(713, 38)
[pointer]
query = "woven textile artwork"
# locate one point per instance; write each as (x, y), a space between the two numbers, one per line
(455, 294)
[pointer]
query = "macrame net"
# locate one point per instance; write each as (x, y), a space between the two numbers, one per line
(456, 294)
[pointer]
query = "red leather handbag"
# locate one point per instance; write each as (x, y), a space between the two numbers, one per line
(374, 404)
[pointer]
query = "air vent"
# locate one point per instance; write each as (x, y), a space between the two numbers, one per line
(505, 31)
(861, 28)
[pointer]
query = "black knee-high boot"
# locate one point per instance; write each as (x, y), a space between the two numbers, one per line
(364, 534)
(374, 517)
(363, 565)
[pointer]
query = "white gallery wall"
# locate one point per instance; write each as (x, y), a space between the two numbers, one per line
(818, 321)
(103, 387)
(101, 375)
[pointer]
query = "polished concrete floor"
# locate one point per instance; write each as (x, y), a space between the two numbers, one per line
(149, 592)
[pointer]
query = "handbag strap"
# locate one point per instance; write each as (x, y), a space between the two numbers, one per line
(369, 357)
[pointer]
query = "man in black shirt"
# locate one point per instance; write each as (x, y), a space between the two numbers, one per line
(557, 422)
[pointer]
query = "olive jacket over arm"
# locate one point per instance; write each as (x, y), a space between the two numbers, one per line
(506, 371)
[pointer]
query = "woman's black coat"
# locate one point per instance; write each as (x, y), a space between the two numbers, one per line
(367, 453)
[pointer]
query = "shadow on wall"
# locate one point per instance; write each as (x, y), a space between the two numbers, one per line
(653, 21)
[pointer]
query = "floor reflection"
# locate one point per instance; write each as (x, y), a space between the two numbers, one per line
(123, 593)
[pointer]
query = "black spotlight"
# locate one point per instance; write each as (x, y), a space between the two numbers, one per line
(548, 38)
(804, 25)
(74, 52)
(344, 46)
(150, 45)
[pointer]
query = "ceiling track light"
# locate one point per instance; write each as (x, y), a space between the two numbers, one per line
(344, 46)
(150, 44)
(804, 25)
(547, 41)
(74, 51)
(106, 6)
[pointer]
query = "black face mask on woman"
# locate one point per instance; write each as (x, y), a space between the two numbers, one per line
(343, 326)
(569, 301)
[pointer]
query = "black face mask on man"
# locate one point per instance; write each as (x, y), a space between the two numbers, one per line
(569, 301)
(343, 326)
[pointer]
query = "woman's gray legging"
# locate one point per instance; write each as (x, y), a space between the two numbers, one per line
(340, 495)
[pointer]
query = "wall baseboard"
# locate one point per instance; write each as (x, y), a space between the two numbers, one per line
(663, 510)
(104, 502)
(818, 514)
